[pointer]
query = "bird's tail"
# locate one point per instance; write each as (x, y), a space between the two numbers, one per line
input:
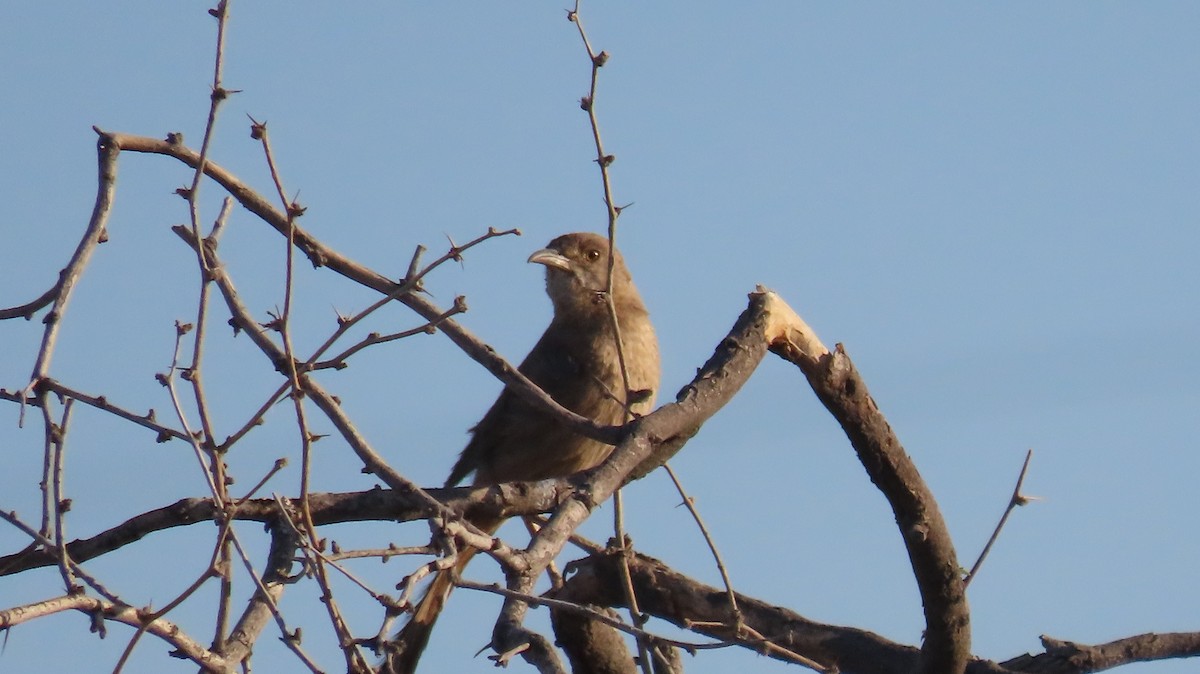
(405, 649)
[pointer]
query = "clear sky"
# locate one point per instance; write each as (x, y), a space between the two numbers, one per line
(992, 205)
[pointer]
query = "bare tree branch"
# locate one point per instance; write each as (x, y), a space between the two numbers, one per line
(500, 502)
(671, 596)
(104, 610)
(1069, 657)
(322, 256)
(935, 564)
(1017, 499)
(93, 235)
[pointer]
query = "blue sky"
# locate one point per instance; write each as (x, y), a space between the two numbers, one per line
(993, 206)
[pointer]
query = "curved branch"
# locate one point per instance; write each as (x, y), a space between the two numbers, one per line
(28, 309)
(676, 598)
(931, 552)
(93, 236)
(104, 610)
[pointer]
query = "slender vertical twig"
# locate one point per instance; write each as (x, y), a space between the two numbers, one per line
(355, 660)
(217, 96)
(61, 504)
(603, 161)
(195, 371)
(48, 450)
(202, 457)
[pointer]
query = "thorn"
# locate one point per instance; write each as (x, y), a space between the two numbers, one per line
(455, 252)
(257, 129)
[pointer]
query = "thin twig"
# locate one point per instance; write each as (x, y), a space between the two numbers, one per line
(291, 639)
(255, 419)
(31, 307)
(411, 282)
(194, 370)
(48, 449)
(598, 616)
(48, 545)
(279, 465)
(151, 616)
(61, 504)
(217, 95)
(339, 361)
(310, 551)
(168, 380)
(355, 660)
(690, 504)
(1017, 499)
(147, 420)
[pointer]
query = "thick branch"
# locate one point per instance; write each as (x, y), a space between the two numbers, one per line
(498, 502)
(671, 596)
(930, 550)
(653, 440)
(591, 646)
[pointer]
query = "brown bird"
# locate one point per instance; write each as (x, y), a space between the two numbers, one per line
(576, 363)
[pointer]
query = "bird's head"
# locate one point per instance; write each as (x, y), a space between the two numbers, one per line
(577, 274)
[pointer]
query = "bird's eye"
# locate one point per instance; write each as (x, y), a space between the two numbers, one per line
(593, 255)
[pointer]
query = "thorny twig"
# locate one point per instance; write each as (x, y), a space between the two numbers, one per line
(603, 161)
(355, 660)
(1017, 499)
(690, 504)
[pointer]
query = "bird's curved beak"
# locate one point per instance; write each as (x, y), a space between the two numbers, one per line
(550, 258)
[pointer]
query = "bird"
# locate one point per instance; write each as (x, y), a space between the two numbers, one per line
(576, 363)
